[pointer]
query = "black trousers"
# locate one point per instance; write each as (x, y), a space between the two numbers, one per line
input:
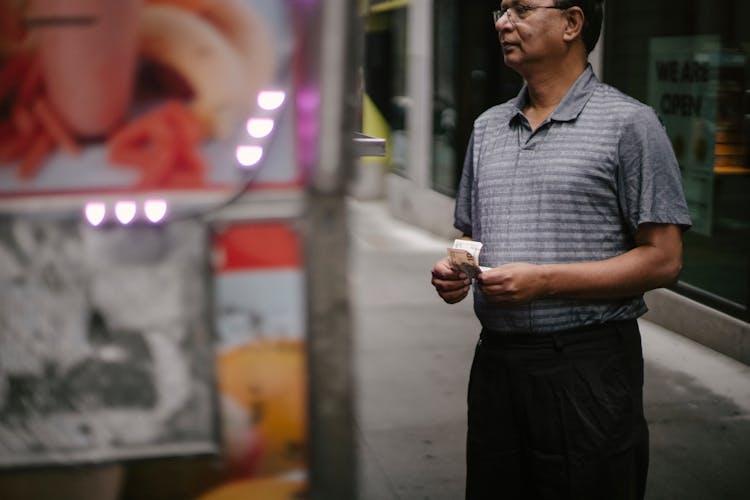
(558, 416)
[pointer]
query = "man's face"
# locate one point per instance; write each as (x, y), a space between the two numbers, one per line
(530, 32)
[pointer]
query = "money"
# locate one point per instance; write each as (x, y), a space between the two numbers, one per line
(464, 255)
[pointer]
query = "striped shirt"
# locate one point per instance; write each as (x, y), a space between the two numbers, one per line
(574, 190)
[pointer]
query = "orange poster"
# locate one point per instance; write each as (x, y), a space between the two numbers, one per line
(261, 358)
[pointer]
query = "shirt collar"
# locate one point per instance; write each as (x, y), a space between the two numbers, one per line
(571, 105)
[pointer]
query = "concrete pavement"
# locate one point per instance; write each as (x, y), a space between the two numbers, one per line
(412, 356)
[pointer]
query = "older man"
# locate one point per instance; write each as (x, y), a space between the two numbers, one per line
(576, 195)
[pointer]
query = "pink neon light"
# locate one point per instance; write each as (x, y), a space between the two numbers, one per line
(259, 127)
(271, 99)
(125, 211)
(95, 212)
(155, 210)
(249, 156)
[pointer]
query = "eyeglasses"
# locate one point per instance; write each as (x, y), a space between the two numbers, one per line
(520, 11)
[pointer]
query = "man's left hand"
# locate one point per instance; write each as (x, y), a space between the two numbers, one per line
(516, 283)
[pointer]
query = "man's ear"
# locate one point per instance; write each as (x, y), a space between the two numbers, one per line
(574, 26)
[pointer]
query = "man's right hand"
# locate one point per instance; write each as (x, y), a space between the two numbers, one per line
(452, 285)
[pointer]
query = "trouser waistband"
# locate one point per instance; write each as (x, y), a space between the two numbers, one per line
(496, 339)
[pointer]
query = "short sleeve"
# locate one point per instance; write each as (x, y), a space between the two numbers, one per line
(463, 210)
(650, 183)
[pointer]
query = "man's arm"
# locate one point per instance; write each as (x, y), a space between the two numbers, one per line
(451, 284)
(655, 262)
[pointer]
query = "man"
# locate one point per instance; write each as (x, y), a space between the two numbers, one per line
(575, 193)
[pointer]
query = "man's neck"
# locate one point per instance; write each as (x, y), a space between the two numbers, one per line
(548, 85)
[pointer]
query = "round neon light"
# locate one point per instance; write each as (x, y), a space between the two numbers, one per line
(249, 156)
(271, 99)
(125, 211)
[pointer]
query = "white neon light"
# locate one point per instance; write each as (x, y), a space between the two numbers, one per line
(95, 212)
(125, 211)
(249, 156)
(271, 99)
(259, 127)
(155, 210)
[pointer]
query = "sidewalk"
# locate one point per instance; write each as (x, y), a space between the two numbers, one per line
(412, 356)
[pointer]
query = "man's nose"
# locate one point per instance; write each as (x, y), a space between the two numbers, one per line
(504, 21)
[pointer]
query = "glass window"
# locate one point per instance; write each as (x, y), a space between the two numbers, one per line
(444, 113)
(696, 77)
(386, 100)
(469, 77)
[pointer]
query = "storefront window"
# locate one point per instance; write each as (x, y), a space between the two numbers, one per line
(444, 112)
(694, 71)
(386, 100)
(469, 77)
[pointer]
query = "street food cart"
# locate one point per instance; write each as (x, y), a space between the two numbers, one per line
(174, 320)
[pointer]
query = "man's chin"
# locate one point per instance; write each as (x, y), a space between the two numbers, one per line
(511, 60)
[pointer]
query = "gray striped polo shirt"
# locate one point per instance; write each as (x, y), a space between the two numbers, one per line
(574, 190)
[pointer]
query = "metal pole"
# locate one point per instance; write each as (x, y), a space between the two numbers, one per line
(333, 465)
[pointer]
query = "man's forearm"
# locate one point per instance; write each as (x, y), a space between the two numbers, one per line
(633, 273)
(655, 262)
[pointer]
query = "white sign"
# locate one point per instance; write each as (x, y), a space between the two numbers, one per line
(683, 88)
